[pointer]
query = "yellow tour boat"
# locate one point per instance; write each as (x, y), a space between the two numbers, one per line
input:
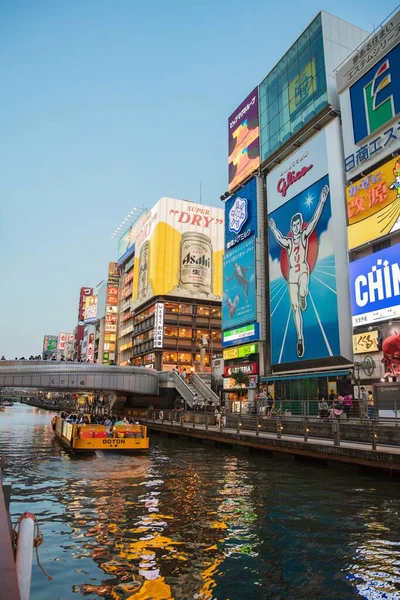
(91, 437)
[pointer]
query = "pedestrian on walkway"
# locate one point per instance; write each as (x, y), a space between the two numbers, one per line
(371, 410)
(363, 403)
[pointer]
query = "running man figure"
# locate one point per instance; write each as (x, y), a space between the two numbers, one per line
(296, 247)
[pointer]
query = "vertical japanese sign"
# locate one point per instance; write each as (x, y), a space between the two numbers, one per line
(159, 325)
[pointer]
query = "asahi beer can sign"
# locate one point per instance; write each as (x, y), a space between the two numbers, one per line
(196, 263)
(179, 247)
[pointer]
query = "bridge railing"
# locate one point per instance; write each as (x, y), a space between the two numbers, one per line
(182, 387)
(204, 389)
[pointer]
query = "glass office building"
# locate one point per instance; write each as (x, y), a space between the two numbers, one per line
(294, 91)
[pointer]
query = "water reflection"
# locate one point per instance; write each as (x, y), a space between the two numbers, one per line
(189, 521)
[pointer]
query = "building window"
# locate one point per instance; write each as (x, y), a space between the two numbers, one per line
(200, 333)
(294, 91)
(185, 333)
(171, 307)
(215, 312)
(203, 311)
(170, 357)
(170, 331)
(381, 245)
(185, 309)
(206, 359)
(216, 336)
(184, 358)
(149, 359)
(138, 362)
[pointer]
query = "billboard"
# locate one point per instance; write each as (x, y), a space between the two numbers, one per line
(111, 323)
(90, 314)
(243, 141)
(83, 294)
(239, 351)
(90, 348)
(112, 295)
(50, 343)
(304, 313)
(179, 249)
(366, 342)
(239, 298)
(373, 205)
(241, 335)
(241, 215)
(370, 100)
(62, 338)
(113, 273)
(375, 287)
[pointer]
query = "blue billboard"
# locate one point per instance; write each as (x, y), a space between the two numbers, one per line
(302, 274)
(241, 215)
(375, 97)
(375, 286)
(239, 298)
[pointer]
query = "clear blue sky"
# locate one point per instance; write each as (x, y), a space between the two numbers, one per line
(109, 105)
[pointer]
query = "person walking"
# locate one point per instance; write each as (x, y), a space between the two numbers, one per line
(347, 404)
(183, 374)
(363, 397)
(371, 411)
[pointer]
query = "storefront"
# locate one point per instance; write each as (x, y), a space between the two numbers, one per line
(299, 394)
(241, 377)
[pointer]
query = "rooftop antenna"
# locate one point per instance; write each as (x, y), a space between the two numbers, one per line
(200, 193)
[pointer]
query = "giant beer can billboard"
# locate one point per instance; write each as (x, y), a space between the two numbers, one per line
(178, 251)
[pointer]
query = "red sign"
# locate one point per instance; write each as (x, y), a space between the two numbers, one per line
(291, 178)
(249, 368)
(84, 293)
(112, 295)
(111, 319)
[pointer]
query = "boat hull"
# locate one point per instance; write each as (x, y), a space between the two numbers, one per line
(90, 438)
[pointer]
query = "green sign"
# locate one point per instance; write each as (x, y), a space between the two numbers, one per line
(246, 350)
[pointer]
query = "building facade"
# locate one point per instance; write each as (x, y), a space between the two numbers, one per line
(297, 317)
(369, 94)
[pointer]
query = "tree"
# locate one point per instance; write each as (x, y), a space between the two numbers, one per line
(242, 381)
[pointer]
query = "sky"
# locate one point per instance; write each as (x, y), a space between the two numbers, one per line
(106, 106)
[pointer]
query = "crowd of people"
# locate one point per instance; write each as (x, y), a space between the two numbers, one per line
(339, 404)
(79, 418)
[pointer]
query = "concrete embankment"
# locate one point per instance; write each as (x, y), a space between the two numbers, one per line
(358, 444)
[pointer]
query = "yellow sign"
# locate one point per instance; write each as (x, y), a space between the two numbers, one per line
(178, 250)
(230, 353)
(302, 86)
(373, 205)
(365, 342)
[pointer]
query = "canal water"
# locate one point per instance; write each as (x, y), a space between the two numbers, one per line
(189, 521)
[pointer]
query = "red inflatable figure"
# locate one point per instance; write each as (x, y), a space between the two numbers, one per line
(391, 355)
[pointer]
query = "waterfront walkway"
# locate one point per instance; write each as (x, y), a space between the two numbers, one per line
(374, 445)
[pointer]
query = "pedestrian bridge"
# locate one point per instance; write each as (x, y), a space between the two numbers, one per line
(74, 376)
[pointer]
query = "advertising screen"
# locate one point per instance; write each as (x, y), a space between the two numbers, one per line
(243, 141)
(239, 299)
(90, 314)
(304, 314)
(241, 215)
(375, 287)
(373, 205)
(178, 251)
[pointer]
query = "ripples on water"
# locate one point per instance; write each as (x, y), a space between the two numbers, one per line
(189, 521)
